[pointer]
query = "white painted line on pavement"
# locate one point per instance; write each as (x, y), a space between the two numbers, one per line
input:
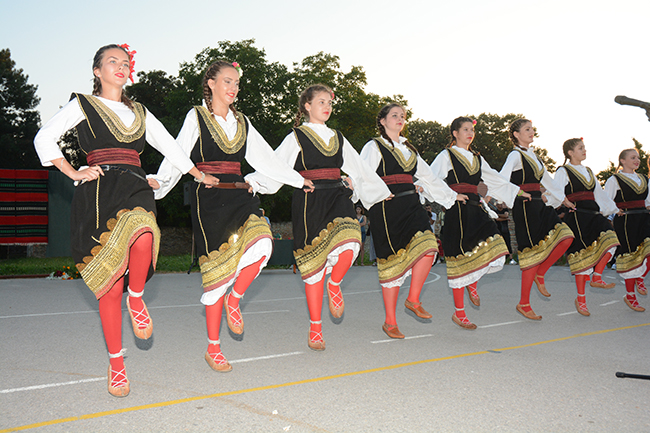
(265, 312)
(49, 314)
(397, 339)
(566, 314)
(437, 277)
(259, 358)
(51, 385)
(500, 324)
(609, 303)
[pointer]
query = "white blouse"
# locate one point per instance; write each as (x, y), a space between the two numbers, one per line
(498, 186)
(606, 204)
(513, 163)
(612, 186)
(434, 188)
(368, 186)
(70, 115)
(258, 154)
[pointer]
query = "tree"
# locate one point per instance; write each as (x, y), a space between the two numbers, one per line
(611, 169)
(19, 120)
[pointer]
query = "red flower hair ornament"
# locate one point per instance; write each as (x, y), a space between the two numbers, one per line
(131, 53)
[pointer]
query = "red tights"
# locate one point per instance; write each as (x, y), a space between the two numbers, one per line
(419, 274)
(110, 305)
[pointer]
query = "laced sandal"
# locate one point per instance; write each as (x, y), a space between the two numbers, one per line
(233, 315)
(118, 383)
(530, 314)
(392, 330)
(473, 296)
(597, 281)
(640, 287)
(582, 307)
(633, 304)
(416, 307)
(463, 322)
(217, 361)
(336, 303)
(141, 320)
(316, 342)
(541, 286)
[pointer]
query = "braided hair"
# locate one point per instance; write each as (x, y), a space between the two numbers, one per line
(306, 97)
(516, 127)
(97, 64)
(568, 145)
(383, 113)
(456, 125)
(211, 74)
(624, 153)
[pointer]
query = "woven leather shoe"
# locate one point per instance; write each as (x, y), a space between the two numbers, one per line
(633, 305)
(541, 286)
(392, 331)
(463, 323)
(474, 298)
(222, 366)
(527, 314)
(579, 306)
(416, 307)
(139, 317)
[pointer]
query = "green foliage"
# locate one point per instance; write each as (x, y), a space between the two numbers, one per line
(611, 169)
(18, 116)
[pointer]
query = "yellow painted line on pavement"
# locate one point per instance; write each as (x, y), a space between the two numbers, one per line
(301, 382)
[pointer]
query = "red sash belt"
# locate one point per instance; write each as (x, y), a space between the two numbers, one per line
(321, 173)
(581, 196)
(464, 188)
(220, 167)
(113, 156)
(631, 204)
(397, 178)
(530, 187)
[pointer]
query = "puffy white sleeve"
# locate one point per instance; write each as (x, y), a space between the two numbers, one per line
(606, 204)
(611, 187)
(512, 164)
(554, 193)
(371, 155)
(168, 175)
(271, 169)
(287, 152)
(435, 189)
(158, 137)
(441, 165)
(45, 142)
(368, 186)
(498, 186)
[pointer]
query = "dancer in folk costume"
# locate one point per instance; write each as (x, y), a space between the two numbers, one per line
(470, 239)
(115, 238)
(404, 241)
(326, 235)
(542, 238)
(233, 239)
(595, 240)
(629, 190)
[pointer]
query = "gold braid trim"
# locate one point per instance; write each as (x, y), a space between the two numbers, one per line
(219, 135)
(407, 165)
(638, 189)
(327, 149)
(535, 255)
(396, 265)
(313, 257)
(588, 184)
(220, 265)
(471, 169)
(115, 124)
(538, 172)
(588, 257)
(628, 261)
(110, 259)
(484, 253)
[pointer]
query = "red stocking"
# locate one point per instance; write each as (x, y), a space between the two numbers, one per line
(213, 323)
(390, 295)
(459, 302)
(598, 269)
(555, 255)
(110, 312)
(581, 301)
(139, 264)
(244, 279)
(314, 293)
(527, 278)
(336, 303)
(341, 267)
(419, 275)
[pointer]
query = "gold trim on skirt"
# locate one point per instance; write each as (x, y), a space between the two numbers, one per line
(110, 259)
(629, 261)
(482, 255)
(221, 265)
(588, 257)
(396, 265)
(535, 255)
(313, 258)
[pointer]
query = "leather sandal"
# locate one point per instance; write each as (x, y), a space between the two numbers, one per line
(633, 304)
(582, 307)
(541, 286)
(473, 296)
(118, 383)
(416, 307)
(392, 330)
(235, 324)
(527, 314)
(139, 318)
(640, 287)
(597, 281)
(316, 343)
(217, 361)
(463, 323)
(336, 303)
